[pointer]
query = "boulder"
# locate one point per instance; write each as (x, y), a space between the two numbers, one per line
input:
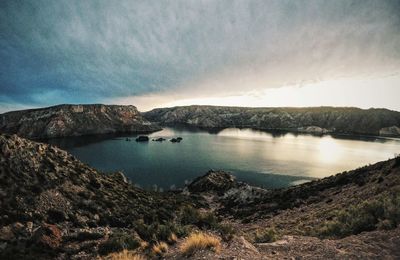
(142, 138)
(214, 181)
(160, 139)
(47, 236)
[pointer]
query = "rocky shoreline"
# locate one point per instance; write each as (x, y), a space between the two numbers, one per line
(313, 120)
(55, 207)
(75, 120)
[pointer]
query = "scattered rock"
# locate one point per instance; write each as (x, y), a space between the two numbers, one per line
(6, 233)
(175, 140)
(142, 138)
(160, 139)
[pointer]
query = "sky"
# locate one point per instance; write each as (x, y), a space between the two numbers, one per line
(182, 52)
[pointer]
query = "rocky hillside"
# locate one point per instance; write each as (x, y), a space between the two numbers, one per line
(313, 120)
(74, 120)
(55, 207)
(351, 215)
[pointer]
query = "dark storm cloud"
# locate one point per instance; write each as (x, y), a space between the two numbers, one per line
(90, 51)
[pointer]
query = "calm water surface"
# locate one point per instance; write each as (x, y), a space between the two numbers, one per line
(260, 158)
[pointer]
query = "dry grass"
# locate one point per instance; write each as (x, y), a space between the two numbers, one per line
(160, 249)
(199, 241)
(172, 239)
(125, 255)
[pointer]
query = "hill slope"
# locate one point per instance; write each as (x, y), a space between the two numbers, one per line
(54, 206)
(314, 119)
(74, 120)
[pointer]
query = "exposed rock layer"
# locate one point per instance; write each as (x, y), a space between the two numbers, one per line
(74, 120)
(318, 120)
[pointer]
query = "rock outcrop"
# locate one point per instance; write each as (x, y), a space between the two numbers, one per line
(319, 120)
(390, 131)
(74, 120)
(213, 181)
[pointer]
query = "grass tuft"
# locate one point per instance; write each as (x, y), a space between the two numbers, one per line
(124, 255)
(199, 241)
(159, 249)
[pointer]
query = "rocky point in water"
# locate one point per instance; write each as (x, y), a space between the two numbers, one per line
(75, 120)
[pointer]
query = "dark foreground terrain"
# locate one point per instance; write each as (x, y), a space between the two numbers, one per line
(55, 207)
(318, 120)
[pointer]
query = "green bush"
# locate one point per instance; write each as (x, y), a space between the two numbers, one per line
(118, 242)
(267, 235)
(189, 215)
(227, 231)
(381, 213)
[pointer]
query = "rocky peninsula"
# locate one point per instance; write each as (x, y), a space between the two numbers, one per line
(75, 120)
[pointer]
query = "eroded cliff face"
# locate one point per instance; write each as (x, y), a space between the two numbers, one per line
(318, 120)
(74, 120)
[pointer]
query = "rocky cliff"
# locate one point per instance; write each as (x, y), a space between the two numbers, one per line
(318, 120)
(74, 120)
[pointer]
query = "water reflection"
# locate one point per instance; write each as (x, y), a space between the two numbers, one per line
(259, 157)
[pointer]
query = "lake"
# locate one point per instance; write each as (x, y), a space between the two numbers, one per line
(270, 160)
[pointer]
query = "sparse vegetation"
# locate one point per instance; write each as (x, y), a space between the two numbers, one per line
(118, 242)
(159, 249)
(125, 255)
(267, 235)
(205, 220)
(380, 213)
(199, 241)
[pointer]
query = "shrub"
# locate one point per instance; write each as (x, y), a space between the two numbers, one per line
(208, 220)
(160, 249)
(118, 242)
(227, 231)
(199, 241)
(267, 235)
(381, 213)
(156, 232)
(203, 220)
(189, 215)
(124, 255)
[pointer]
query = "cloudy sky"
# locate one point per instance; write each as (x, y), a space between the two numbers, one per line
(164, 53)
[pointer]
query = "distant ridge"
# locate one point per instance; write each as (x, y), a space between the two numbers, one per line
(74, 120)
(318, 120)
